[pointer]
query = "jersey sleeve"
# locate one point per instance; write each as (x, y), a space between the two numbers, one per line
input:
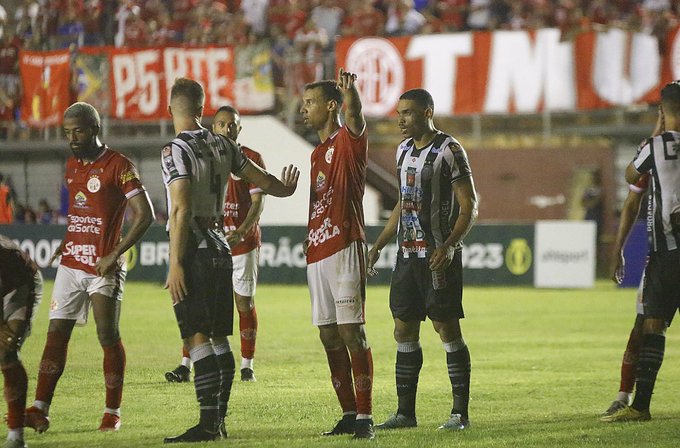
(128, 179)
(256, 158)
(644, 159)
(457, 161)
(174, 164)
(238, 159)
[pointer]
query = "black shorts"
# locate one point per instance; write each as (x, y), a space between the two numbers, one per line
(413, 296)
(661, 291)
(209, 306)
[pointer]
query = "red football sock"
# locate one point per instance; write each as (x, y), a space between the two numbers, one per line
(341, 376)
(51, 365)
(16, 383)
(114, 373)
(247, 324)
(629, 363)
(362, 368)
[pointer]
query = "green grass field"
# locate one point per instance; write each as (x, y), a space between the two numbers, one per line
(545, 364)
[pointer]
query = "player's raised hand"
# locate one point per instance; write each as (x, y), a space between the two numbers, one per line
(346, 80)
(289, 178)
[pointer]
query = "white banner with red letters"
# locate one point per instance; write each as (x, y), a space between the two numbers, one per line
(512, 71)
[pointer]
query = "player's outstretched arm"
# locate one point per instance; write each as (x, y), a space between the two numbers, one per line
(629, 212)
(143, 216)
(283, 187)
(466, 196)
(354, 117)
(180, 232)
(388, 232)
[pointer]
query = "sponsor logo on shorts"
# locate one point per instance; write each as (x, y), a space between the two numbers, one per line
(345, 301)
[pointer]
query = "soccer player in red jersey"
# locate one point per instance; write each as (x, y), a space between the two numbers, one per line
(242, 209)
(336, 245)
(101, 184)
(21, 292)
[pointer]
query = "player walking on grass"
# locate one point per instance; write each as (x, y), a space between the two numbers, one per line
(437, 207)
(336, 245)
(21, 291)
(196, 166)
(101, 183)
(242, 210)
(661, 291)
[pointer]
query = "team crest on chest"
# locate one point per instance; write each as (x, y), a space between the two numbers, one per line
(320, 181)
(329, 154)
(94, 184)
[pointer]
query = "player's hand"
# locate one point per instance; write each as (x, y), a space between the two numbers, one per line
(289, 178)
(234, 237)
(619, 269)
(176, 284)
(106, 264)
(371, 258)
(305, 246)
(9, 341)
(441, 257)
(346, 80)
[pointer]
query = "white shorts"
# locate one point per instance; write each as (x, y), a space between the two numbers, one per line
(337, 286)
(244, 277)
(73, 288)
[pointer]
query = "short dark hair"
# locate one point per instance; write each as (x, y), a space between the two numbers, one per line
(420, 96)
(85, 111)
(229, 109)
(191, 91)
(670, 97)
(329, 89)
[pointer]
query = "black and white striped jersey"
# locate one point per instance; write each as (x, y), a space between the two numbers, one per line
(428, 204)
(659, 156)
(207, 160)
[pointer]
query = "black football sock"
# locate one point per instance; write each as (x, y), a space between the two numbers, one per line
(207, 385)
(227, 366)
(458, 362)
(407, 369)
(649, 363)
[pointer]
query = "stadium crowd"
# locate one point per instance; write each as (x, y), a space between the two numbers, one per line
(297, 29)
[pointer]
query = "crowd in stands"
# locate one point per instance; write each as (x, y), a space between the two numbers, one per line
(302, 29)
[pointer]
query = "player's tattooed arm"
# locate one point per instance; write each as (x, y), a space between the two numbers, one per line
(354, 117)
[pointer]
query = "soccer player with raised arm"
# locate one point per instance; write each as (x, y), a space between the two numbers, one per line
(661, 291)
(437, 206)
(196, 166)
(21, 288)
(336, 245)
(101, 183)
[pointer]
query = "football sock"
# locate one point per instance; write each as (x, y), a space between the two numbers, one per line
(246, 363)
(649, 363)
(247, 324)
(458, 362)
(15, 386)
(407, 370)
(207, 385)
(114, 375)
(629, 363)
(362, 369)
(51, 366)
(226, 364)
(186, 359)
(341, 378)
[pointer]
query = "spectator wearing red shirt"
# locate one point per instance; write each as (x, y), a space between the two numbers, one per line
(364, 20)
(135, 34)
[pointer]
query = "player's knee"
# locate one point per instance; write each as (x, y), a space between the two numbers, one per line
(107, 336)
(330, 337)
(8, 357)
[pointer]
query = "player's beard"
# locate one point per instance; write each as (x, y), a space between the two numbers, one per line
(86, 151)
